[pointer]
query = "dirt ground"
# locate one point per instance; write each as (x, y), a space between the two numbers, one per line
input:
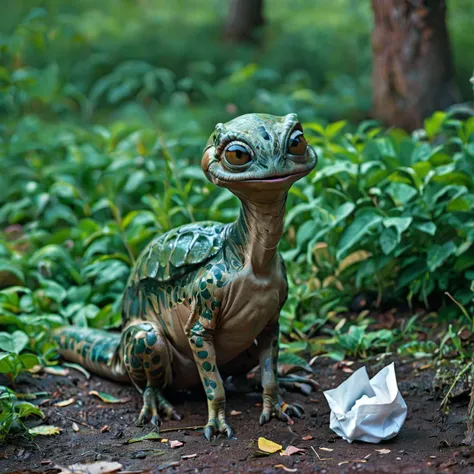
(428, 442)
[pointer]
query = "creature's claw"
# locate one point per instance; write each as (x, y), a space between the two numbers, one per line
(274, 406)
(209, 431)
(149, 412)
(175, 416)
(217, 424)
(297, 383)
(294, 409)
(153, 404)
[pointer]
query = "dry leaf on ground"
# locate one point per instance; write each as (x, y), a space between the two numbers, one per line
(383, 451)
(307, 438)
(268, 446)
(65, 403)
(79, 368)
(75, 426)
(188, 456)
(326, 449)
(149, 436)
(44, 430)
(176, 444)
(235, 412)
(56, 370)
(101, 467)
(354, 460)
(290, 450)
(105, 397)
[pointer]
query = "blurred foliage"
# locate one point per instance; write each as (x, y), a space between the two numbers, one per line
(105, 111)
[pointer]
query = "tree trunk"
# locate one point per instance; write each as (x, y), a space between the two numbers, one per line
(244, 17)
(413, 72)
(469, 440)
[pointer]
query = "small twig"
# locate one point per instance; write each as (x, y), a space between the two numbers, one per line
(179, 428)
(83, 423)
(320, 458)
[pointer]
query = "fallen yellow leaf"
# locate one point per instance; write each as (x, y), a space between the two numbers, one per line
(65, 403)
(268, 446)
(44, 430)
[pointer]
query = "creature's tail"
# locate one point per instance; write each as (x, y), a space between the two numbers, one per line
(95, 350)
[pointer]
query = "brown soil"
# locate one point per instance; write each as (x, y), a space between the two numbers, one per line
(429, 441)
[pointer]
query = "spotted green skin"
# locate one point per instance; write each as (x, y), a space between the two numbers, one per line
(204, 299)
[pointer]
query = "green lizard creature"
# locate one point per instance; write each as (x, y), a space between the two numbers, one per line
(204, 299)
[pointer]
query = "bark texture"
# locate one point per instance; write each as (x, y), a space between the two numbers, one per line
(244, 17)
(469, 440)
(413, 73)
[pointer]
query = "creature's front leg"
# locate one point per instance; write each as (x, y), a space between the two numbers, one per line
(205, 357)
(272, 403)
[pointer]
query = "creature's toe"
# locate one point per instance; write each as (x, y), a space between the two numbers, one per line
(209, 432)
(265, 417)
(294, 410)
(295, 383)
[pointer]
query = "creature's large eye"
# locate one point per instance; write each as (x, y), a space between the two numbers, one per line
(237, 154)
(297, 143)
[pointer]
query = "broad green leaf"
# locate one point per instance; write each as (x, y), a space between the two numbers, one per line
(427, 227)
(401, 224)
(401, 193)
(25, 409)
(334, 128)
(362, 224)
(434, 123)
(438, 254)
(389, 240)
(29, 360)
(14, 342)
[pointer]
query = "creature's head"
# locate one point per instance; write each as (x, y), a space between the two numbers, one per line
(257, 156)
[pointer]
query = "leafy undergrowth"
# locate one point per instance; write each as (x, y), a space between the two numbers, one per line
(385, 220)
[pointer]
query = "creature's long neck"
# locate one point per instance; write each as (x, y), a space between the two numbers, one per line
(257, 232)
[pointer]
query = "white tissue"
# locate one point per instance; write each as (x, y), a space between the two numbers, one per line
(367, 410)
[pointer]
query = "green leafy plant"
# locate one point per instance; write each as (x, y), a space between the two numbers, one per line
(13, 412)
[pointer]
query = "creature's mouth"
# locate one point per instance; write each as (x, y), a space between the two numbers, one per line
(277, 178)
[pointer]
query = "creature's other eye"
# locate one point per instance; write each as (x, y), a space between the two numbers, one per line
(237, 154)
(297, 143)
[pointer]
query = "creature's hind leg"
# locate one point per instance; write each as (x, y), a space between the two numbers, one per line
(147, 360)
(244, 377)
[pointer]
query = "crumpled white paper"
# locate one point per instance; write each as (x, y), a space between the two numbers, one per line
(367, 410)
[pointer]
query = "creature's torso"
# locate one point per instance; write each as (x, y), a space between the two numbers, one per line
(194, 264)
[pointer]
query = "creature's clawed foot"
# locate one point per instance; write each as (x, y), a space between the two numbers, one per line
(297, 383)
(154, 405)
(216, 424)
(274, 406)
